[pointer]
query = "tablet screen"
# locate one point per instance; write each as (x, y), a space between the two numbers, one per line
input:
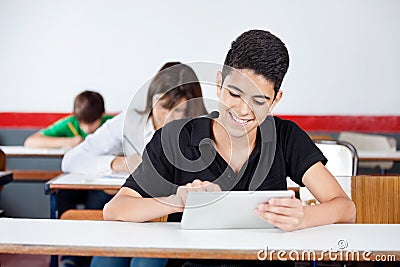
(227, 209)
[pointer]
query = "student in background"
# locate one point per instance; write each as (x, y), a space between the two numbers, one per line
(99, 152)
(88, 115)
(244, 155)
(167, 99)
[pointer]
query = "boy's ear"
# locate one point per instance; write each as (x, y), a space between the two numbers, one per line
(278, 98)
(219, 83)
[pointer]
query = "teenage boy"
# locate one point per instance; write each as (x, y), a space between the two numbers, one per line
(240, 147)
(88, 115)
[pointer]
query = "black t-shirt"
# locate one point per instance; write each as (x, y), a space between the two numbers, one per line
(182, 151)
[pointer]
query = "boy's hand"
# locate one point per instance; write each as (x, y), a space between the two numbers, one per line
(285, 213)
(126, 164)
(179, 199)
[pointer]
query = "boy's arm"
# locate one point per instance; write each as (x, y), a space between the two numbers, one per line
(39, 140)
(129, 205)
(305, 164)
(126, 164)
(335, 206)
(289, 214)
(55, 136)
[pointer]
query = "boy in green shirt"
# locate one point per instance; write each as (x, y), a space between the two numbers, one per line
(88, 115)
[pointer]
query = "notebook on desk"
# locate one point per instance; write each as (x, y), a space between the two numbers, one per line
(227, 210)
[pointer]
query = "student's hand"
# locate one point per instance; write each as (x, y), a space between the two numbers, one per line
(73, 141)
(121, 163)
(179, 199)
(285, 213)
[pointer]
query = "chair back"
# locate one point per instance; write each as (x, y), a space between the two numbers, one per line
(94, 215)
(342, 157)
(342, 163)
(90, 215)
(377, 198)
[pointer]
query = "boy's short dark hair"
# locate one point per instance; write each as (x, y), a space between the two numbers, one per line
(261, 52)
(88, 106)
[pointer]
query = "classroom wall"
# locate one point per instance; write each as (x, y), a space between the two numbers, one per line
(344, 54)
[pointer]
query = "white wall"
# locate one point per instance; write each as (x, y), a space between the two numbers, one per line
(345, 56)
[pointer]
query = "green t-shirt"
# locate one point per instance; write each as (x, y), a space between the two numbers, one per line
(69, 127)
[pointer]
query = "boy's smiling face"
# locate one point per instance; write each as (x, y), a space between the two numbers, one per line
(245, 100)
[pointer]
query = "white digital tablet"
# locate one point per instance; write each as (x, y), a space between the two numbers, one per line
(227, 209)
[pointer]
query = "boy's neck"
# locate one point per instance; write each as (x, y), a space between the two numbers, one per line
(234, 150)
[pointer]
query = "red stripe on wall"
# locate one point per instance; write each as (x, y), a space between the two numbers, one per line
(330, 123)
(334, 123)
(20, 120)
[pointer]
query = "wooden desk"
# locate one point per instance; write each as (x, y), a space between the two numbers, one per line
(5, 177)
(364, 155)
(21, 151)
(73, 181)
(168, 240)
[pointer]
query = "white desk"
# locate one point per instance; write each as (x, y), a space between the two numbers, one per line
(124, 239)
(365, 155)
(21, 151)
(36, 174)
(73, 181)
(86, 182)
